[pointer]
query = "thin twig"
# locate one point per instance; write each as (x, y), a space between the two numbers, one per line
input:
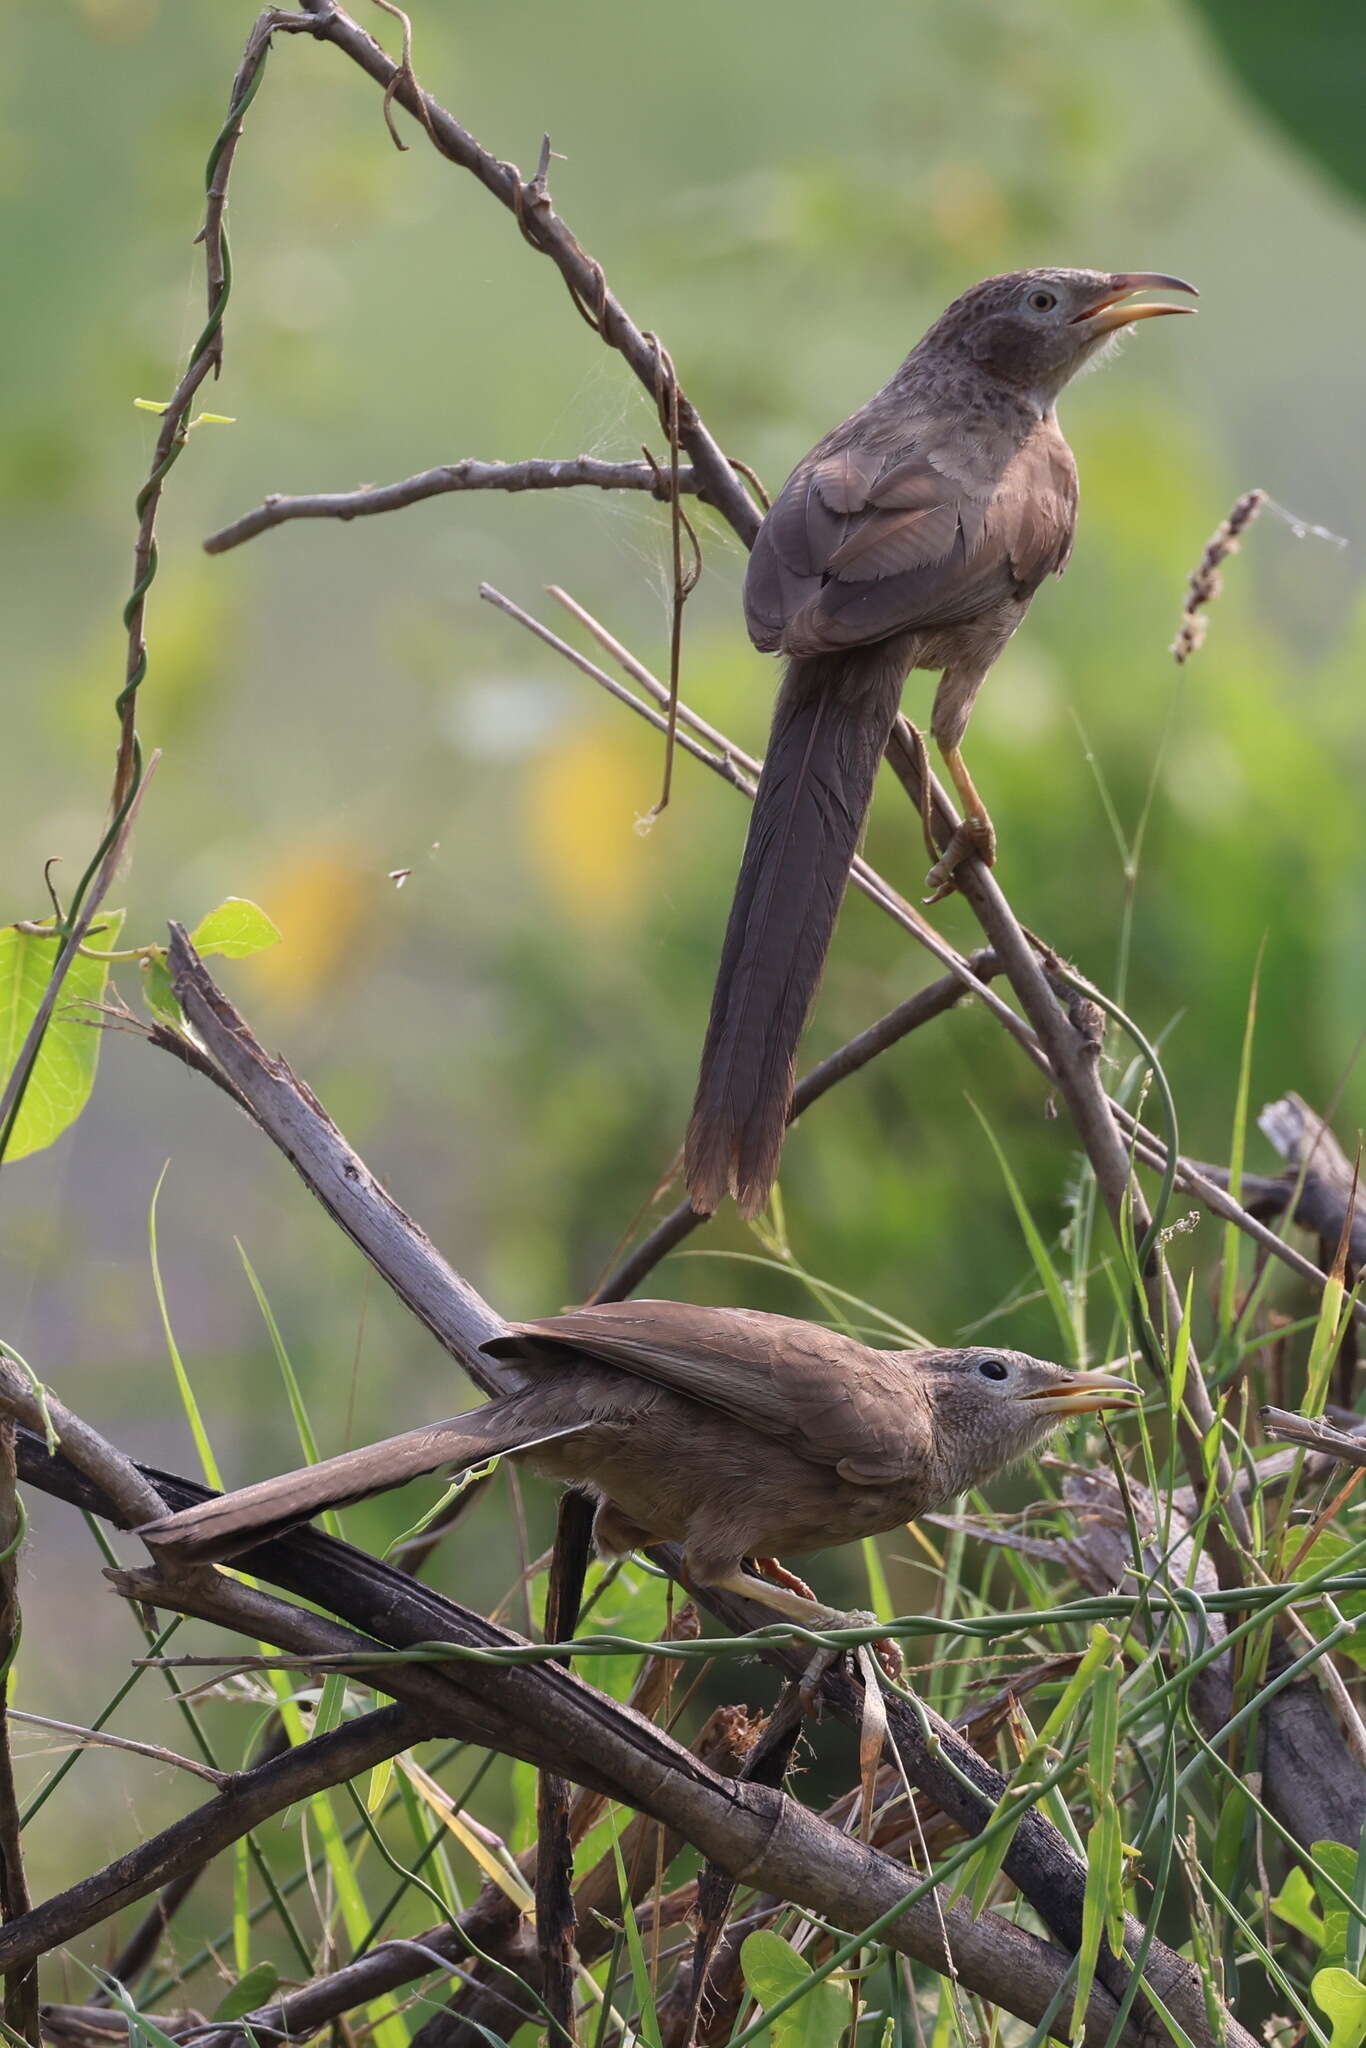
(21, 1986)
(97, 1738)
(580, 471)
(528, 200)
(252, 1797)
(206, 360)
(1313, 1434)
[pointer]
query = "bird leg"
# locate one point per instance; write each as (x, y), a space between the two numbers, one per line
(778, 1575)
(976, 835)
(922, 762)
(887, 1652)
(782, 1597)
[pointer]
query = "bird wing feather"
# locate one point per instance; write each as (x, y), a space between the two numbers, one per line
(826, 1396)
(863, 543)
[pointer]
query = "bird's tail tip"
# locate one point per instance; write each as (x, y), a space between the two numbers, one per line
(718, 1161)
(707, 1165)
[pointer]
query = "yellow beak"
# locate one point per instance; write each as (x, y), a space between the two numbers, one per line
(1110, 312)
(1082, 1392)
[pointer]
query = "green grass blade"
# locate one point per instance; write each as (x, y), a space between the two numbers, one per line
(991, 1858)
(1233, 1236)
(879, 1592)
(308, 1442)
(640, 1973)
(1072, 1337)
(208, 1463)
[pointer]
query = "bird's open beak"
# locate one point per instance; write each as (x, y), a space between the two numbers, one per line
(1081, 1392)
(1110, 311)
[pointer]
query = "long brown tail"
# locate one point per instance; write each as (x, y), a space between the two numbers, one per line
(231, 1522)
(832, 720)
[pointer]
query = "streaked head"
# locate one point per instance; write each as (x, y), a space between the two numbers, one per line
(1034, 329)
(991, 1406)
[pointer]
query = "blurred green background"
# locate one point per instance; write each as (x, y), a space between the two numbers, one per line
(510, 1038)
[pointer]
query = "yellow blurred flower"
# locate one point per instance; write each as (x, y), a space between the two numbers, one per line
(318, 898)
(582, 800)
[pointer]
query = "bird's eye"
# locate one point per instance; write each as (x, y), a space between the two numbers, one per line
(994, 1369)
(1043, 302)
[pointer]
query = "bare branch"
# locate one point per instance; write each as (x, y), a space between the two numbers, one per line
(183, 1847)
(580, 471)
(764, 1837)
(543, 1711)
(117, 1478)
(293, 1118)
(528, 200)
(96, 1738)
(21, 1986)
(1313, 1434)
(1208, 1184)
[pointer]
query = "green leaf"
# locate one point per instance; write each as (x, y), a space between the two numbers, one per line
(1335, 1926)
(1334, 1859)
(1294, 1903)
(331, 1699)
(236, 929)
(1343, 1997)
(772, 1968)
(774, 1971)
(1327, 1548)
(1303, 67)
(157, 992)
(142, 2031)
(1337, 1869)
(64, 1071)
(248, 1992)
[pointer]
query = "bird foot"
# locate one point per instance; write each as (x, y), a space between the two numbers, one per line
(973, 839)
(886, 1652)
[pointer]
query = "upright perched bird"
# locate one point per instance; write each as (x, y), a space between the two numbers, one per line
(734, 1433)
(913, 536)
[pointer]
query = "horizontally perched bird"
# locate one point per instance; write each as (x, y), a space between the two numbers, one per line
(913, 536)
(734, 1433)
